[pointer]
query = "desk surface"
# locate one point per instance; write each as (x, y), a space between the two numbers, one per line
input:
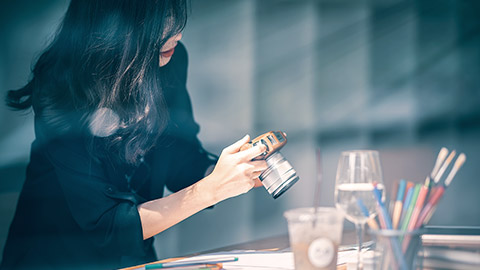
(277, 242)
(469, 256)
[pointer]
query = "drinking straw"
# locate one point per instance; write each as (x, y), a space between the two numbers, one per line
(397, 210)
(316, 196)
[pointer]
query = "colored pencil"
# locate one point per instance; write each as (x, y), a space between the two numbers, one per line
(190, 267)
(406, 204)
(388, 224)
(370, 221)
(397, 210)
(442, 169)
(416, 191)
(429, 208)
(434, 198)
(416, 212)
(409, 185)
(440, 158)
(413, 205)
(418, 207)
(200, 263)
(391, 200)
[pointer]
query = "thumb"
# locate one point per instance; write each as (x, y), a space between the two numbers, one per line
(234, 148)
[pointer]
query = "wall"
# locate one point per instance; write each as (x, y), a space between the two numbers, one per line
(399, 76)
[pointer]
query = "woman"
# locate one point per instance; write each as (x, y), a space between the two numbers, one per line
(114, 126)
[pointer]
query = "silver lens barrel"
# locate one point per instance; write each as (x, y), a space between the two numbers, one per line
(279, 176)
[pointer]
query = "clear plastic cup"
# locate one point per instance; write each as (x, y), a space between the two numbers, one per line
(315, 237)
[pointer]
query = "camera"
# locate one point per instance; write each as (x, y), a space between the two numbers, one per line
(280, 175)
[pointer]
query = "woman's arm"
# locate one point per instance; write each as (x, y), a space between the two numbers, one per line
(233, 175)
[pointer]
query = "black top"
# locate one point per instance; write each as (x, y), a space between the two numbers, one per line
(80, 212)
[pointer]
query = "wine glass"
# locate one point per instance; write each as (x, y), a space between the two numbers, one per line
(357, 173)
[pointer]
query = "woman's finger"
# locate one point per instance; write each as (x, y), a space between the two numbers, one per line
(235, 147)
(252, 153)
(258, 183)
(259, 165)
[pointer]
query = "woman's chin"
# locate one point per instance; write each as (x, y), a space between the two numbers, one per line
(164, 60)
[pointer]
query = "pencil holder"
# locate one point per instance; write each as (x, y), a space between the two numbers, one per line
(396, 249)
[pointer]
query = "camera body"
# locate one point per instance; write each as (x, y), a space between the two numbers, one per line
(280, 175)
(273, 140)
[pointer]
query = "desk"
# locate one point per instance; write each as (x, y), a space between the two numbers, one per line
(271, 243)
(278, 242)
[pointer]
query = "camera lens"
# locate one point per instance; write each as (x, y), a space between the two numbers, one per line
(279, 176)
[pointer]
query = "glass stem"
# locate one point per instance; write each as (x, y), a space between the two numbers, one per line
(359, 229)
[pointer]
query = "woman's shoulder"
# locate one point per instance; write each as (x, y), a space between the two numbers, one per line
(67, 132)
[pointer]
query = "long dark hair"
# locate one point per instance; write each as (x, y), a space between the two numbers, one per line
(103, 68)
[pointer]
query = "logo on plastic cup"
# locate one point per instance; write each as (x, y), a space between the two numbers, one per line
(321, 252)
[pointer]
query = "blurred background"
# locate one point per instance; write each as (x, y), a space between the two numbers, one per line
(398, 76)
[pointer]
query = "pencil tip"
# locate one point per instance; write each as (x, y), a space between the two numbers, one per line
(427, 181)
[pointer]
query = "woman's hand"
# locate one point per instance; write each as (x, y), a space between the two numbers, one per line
(235, 172)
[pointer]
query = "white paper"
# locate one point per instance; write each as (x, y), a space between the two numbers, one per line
(264, 260)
